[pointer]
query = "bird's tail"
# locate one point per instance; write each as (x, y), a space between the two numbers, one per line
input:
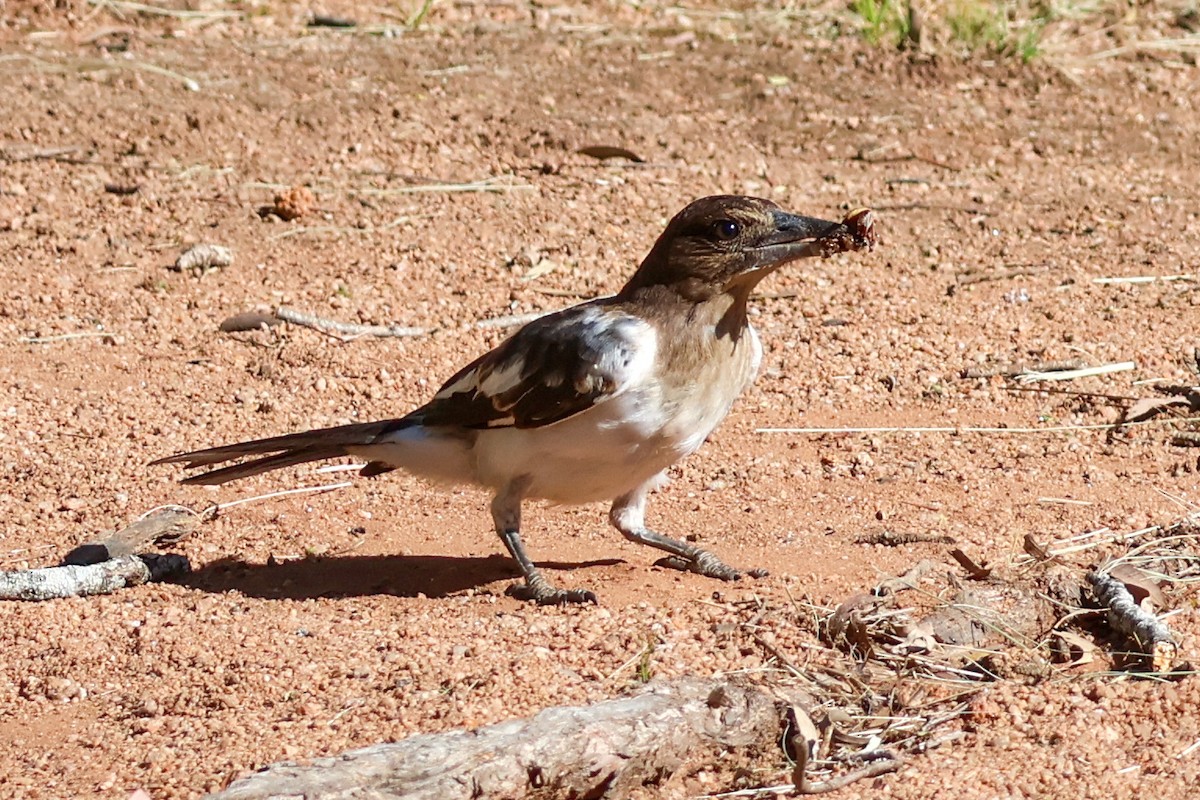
(286, 451)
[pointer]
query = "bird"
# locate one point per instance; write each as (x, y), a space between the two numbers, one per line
(593, 402)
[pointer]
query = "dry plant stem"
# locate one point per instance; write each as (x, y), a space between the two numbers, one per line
(1011, 370)
(1072, 374)
(600, 751)
(875, 768)
(108, 576)
(1127, 618)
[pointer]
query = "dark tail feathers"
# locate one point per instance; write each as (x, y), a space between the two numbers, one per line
(286, 451)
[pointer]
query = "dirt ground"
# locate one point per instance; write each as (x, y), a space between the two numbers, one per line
(317, 623)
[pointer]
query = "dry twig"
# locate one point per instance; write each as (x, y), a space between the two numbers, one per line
(1072, 374)
(1013, 369)
(345, 328)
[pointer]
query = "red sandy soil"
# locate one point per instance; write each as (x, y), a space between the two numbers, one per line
(316, 623)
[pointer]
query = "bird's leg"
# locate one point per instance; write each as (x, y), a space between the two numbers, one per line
(506, 513)
(628, 515)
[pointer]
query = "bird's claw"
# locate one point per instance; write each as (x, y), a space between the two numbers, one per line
(541, 592)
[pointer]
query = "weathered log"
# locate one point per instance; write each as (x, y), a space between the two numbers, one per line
(598, 751)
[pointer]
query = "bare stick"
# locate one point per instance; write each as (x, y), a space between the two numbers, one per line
(108, 576)
(1144, 279)
(62, 337)
(1072, 374)
(1149, 634)
(875, 768)
(605, 750)
(1011, 370)
(347, 328)
(509, 321)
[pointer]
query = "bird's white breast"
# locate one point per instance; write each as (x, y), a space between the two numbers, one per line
(623, 442)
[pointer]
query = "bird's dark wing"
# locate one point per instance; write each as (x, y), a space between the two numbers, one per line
(549, 370)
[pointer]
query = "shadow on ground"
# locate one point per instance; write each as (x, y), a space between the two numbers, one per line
(358, 576)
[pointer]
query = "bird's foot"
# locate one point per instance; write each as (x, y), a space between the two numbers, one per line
(701, 562)
(539, 590)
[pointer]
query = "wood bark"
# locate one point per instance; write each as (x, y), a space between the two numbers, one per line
(599, 751)
(71, 581)
(162, 525)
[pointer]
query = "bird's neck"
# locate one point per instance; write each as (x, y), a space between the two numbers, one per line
(689, 310)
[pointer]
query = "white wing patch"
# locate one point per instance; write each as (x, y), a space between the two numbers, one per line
(633, 364)
(503, 379)
(550, 370)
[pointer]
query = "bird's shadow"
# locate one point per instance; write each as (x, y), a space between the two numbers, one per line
(359, 576)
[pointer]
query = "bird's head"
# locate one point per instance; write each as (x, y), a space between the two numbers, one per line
(727, 244)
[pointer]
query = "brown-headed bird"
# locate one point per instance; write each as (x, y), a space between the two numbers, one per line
(596, 401)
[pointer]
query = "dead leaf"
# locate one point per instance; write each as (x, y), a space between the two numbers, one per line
(839, 623)
(1141, 585)
(605, 152)
(804, 738)
(1036, 550)
(543, 267)
(1149, 406)
(920, 638)
(976, 571)
(1073, 648)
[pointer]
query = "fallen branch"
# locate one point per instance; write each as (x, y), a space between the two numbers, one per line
(600, 751)
(162, 525)
(73, 581)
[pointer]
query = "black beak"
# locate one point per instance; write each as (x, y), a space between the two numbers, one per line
(797, 237)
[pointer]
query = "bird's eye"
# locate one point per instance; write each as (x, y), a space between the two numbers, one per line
(726, 229)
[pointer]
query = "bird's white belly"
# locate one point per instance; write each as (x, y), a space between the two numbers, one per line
(615, 446)
(599, 454)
